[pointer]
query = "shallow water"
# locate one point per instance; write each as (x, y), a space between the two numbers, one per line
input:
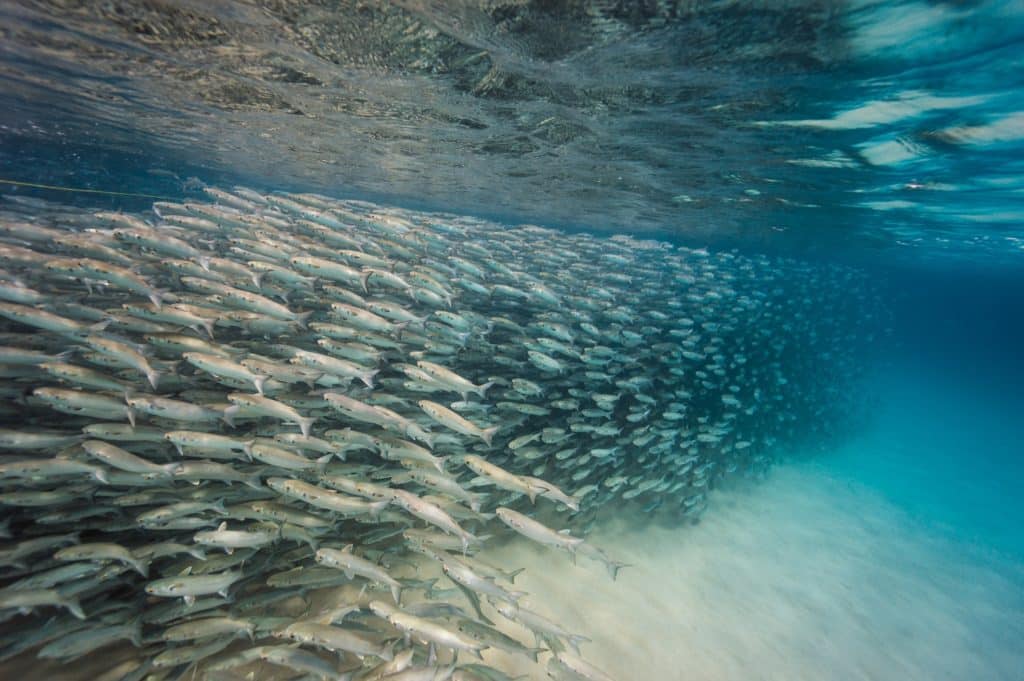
(803, 576)
(883, 135)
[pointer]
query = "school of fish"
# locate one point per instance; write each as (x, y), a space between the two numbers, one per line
(217, 412)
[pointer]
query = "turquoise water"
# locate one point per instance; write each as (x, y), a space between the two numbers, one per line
(885, 137)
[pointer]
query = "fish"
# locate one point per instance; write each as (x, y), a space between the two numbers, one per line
(312, 349)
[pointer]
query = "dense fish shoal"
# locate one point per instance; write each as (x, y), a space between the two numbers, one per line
(216, 413)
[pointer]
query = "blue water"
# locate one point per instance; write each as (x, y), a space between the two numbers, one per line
(887, 135)
(946, 438)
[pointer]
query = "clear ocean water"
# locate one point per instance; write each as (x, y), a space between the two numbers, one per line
(883, 136)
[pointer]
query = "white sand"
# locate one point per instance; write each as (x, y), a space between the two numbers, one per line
(799, 577)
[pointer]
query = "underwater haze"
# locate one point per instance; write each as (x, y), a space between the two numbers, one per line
(494, 339)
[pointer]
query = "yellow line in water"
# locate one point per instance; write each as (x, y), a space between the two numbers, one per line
(86, 191)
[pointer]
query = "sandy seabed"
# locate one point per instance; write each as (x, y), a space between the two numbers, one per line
(801, 576)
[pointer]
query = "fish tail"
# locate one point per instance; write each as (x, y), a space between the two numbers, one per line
(74, 607)
(367, 377)
(488, 433)
(480, 390)
(141, 566)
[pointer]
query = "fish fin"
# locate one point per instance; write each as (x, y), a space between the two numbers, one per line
(377, 507)
(223, 526)
(189, 601)
(258, 381)
(303, 318)
(481, 389)
(614, 566)
(74, 608)
(136, 632)
(305, 424)
(367, 377)
(488, 433)
(511, 576)
(229, 414)
(153, 376)
(131, 416)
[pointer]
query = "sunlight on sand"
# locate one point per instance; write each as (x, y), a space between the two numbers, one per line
(799, 577)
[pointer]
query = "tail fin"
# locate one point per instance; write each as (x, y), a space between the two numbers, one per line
(153, 376)
(575, 640)
(305, 424)
(258, 381)
(136, 632)
(377, 507)
(74, 608)
(303, 317)
(229, 415)
(481, 389)
(488, 433)
(367, 377)
(141, 566)
(614, 566)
